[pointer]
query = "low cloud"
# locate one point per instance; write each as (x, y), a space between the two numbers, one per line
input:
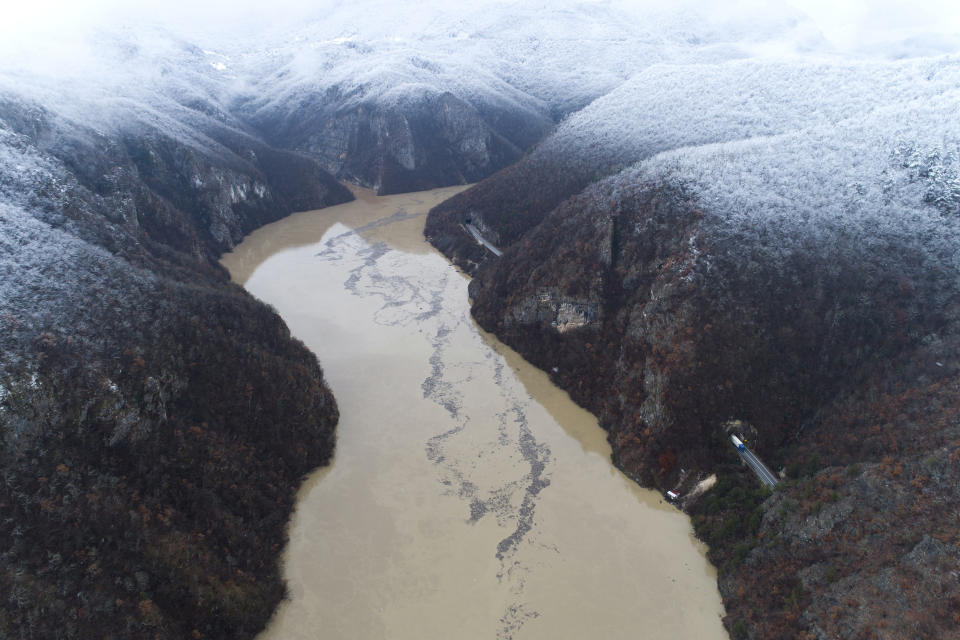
(53, 31)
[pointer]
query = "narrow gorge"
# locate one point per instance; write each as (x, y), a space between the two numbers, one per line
(708, 222)
(468, 496)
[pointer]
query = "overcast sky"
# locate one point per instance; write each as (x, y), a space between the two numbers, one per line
(852, 23)
(847, 24)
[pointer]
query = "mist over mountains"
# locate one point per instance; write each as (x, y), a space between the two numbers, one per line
(399, 98)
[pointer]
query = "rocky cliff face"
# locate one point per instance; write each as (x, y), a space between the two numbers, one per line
(420, 142)
(646, 288)
(653, 322)
(155, 420)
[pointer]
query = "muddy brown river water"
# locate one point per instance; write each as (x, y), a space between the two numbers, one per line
(469, 498)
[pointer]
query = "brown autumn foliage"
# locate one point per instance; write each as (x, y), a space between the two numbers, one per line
(845, 363)
(155, 420)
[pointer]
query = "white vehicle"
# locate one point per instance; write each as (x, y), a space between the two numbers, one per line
(738, 443)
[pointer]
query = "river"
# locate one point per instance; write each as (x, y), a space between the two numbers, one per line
(469, 497)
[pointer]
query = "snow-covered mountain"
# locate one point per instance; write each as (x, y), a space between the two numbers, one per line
(823, 120)
(122, 178)
(383, 94)
(451, 95)
(771, 243)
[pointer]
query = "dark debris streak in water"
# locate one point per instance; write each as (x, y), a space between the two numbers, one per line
(373, 278)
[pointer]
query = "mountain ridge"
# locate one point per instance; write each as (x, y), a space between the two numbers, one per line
(777, 284)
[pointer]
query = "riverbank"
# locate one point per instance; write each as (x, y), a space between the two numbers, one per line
(468, 496)
(154, 418)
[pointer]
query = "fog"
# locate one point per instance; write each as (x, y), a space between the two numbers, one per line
(891, 28)
(100, 59)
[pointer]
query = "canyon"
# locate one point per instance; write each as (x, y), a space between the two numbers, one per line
(468, 496)
(698, 238)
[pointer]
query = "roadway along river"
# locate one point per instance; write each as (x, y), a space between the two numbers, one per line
(469, 497)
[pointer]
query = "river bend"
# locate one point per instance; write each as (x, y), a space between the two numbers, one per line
(469, 497)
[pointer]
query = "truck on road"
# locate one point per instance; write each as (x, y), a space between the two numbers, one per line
(738, 443)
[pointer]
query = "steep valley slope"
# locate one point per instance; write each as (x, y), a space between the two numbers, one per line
(410, 98)
(752, 266)
(155, 420)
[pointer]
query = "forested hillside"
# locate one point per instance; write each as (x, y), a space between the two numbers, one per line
(155, 420)
(780, 258)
